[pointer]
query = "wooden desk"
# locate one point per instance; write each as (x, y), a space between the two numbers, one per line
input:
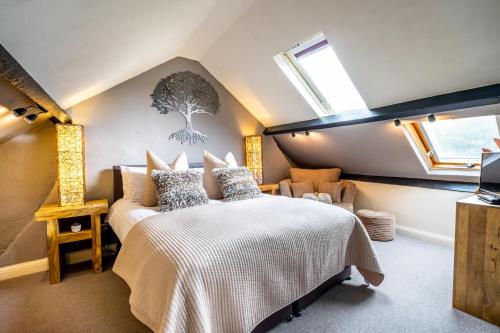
(476, 278)
(52, 213)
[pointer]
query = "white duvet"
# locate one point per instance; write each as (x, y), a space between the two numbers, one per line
(226, 267)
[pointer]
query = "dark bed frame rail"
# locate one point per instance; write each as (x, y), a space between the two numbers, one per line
(288, 312)
(294, 309)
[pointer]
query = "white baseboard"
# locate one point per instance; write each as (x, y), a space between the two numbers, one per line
(25, 268)
(425, 235)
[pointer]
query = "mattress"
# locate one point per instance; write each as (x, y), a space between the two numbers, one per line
(126, 213)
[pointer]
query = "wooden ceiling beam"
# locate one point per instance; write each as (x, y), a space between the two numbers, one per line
(17, 76)
(441, 103)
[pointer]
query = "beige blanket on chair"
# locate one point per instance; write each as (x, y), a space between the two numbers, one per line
(225, 268)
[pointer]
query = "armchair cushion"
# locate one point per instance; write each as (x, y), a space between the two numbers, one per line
(348, 191)
(316, 176)
(333, 189)
(285, 188)
(298, 189)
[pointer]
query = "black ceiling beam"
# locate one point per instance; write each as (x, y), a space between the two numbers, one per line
(447, 102)
(18, 77)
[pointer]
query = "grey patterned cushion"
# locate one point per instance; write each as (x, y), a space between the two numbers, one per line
(179, 189)
(237, 183)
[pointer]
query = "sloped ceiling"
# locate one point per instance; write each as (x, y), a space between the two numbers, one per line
(76, 49)
(393, 50)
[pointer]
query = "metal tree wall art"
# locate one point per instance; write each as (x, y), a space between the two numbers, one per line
(186, 93)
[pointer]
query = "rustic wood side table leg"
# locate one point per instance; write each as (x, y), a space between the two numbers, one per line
(96, 243)
(53, 251)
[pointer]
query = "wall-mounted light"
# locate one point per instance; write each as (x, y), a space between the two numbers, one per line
(307, 133)
(397, 122)
(431, 118)
(293, 134)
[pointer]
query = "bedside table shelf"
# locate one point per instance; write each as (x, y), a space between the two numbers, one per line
(69, 236)
(51, 215)
(269, 188)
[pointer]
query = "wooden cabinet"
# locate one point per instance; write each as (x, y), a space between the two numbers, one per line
(476, 279)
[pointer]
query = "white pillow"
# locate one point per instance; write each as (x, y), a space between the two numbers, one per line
(133, 179)
(210, 181)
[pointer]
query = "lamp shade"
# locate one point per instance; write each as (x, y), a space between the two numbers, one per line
(70, 164)
(253, 156)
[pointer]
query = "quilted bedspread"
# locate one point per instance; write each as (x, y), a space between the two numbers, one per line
(225, 268)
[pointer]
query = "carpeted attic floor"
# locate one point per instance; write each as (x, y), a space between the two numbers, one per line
(415, 297)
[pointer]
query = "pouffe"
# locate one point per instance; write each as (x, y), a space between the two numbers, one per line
(381, 226)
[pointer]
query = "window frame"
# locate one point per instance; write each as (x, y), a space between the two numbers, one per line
(423, 147)
(304, 78)
(289, 63)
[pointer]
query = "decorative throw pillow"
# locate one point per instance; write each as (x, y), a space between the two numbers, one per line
(210, 181)
(179, 189)
(316, 176)
(133, 179)
(333, 189)
(237, 183)
(153, 162)
(299, 189)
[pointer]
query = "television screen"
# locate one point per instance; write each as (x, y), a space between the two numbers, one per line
(490, 174)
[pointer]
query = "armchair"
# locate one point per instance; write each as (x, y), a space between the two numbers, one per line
(347, 189)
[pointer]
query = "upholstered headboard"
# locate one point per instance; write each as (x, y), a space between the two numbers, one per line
(118, 183)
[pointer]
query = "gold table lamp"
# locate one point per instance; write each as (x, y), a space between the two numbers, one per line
(253, 156)
(70, 164)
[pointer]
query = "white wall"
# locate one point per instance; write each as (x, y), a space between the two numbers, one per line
(426, 211)
(393, 50)
(27, 175)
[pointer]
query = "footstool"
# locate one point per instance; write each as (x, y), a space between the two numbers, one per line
(381, 226)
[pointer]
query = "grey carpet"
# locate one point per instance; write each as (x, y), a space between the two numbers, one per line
(415, 297)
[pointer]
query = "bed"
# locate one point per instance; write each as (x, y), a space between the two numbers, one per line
(235, 266)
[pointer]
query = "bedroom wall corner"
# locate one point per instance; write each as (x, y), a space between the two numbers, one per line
(27, 176)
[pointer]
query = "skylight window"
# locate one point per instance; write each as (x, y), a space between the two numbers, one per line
(454, 143)
(315, 70)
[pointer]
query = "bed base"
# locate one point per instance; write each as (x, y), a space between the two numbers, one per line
(293, 310)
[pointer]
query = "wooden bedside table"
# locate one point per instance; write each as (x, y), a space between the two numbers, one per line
(269, 188)
(52, 213)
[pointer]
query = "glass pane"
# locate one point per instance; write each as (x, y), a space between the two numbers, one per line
(329, 76)
(461, 140)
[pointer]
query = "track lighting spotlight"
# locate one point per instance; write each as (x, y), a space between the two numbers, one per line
(21, 111)
(307, 133)
(431, 118)
(34, 116)
(397, 122)
(31, 118)
(293, 134)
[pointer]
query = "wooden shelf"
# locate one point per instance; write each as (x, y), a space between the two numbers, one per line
(69, 236)
(269, 188)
